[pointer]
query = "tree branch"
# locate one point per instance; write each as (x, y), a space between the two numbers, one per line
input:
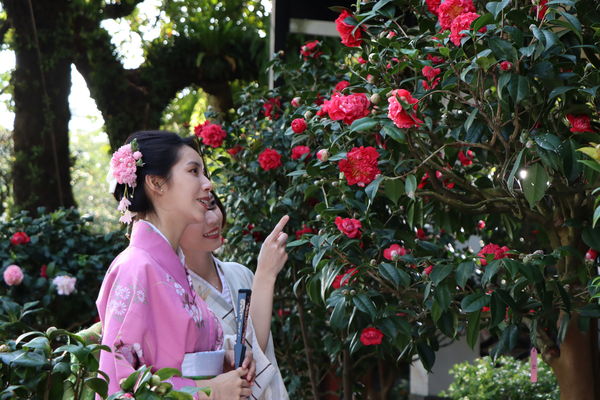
(120, 10)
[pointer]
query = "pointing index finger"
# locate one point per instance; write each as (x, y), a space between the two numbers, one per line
(280, 225)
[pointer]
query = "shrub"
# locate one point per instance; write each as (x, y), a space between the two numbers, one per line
(503, 379)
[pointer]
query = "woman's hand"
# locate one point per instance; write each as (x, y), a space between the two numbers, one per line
(228, 386)
(272, 254)
(249, 363)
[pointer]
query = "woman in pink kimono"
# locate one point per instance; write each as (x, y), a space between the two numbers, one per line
(149, 313)
(217, 283)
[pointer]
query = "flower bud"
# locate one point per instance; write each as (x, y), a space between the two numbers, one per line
(323, 155)
(4, 348)
(318, 217)
(51, 330)
(321, 232)
(375, 98)
(335, 183)
(308, 115)
(530, 143)
(296, 102)
(155, 380)
(373, 263)
(373, 58)
(352, 292)
(370, 79)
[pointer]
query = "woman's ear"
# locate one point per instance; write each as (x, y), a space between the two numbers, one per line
(154, 184)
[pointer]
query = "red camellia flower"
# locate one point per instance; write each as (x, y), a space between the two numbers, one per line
(341, 85)
(431, 74)
(349, 227)
(361, 60)
(591, 254)
(506, 65)
(396, 112)
(485, 309)
(428, 270)
(580, 123)
(347, 108)
(481, 224)
(344, 26)
(311, 49)
(466, 159)
(433, 5)
(19, 238)
(435, 59)
(344, 278)
(491, 248)
(394, 251)
(299, 125)
(371, 336)
(271, 107)
(360, 165)
(540, 9)
(234, 150)
(449, 10)
(44, 271)
(305, 229)
(283, 313)
(269, 159)
(461, 23)
(421, 234)
(299, 151)
(323, 155)
(212, 134)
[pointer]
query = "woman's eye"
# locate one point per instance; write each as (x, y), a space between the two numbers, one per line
(194, 171)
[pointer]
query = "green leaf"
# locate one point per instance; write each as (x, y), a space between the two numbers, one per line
(591, 163)
(98, 385)
(317, 257)
(518, 88)
(511, 177)
(166, 373)
(508, 340)
(442, 296)
(394, 132)
(371, 189)
(473, 328)
(395, 275)
(393, 189)
(548, 142)
(535, 184)
(562, 327)
(363, 124)
(560, 90)
(496, 7)
(464, 272)
(440, 272)
(490, 270)
(365, 304)
(474, 302)
(447, 323)
(591, 237)
(502, 49)
(338, 315)
(471, 118)
(596, 216)
(497, 309)
(410, 186)
(426, 355)
(479, 23)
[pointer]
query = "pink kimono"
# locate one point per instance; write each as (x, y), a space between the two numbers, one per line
(149, 314)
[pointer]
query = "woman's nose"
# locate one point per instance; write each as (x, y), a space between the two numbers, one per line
(206, 183)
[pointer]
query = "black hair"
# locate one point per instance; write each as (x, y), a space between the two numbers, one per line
(221, 207)
(160, 151)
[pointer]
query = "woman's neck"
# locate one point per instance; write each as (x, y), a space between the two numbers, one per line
(201, 262)
(172, 231)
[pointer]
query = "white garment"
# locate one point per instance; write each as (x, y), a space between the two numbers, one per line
(268, 384)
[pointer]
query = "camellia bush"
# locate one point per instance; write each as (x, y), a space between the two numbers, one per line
(439, 121)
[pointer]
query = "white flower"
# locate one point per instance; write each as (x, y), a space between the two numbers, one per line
(141, 296)
(65, 285)
(127, 217)
(179, 289)
(118, 307)
(122, 292)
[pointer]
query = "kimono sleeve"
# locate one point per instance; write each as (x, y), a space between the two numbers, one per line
(129, 310)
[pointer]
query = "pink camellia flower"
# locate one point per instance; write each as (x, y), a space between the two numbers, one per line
(349, 227)
(305, 229)
(234, 150)
(65, 285)
(344, 278)
(428, 270)
(341, 85)
(123, 166)
(591, 254)
(435, 59)
(323, 155)
(461, 23)
(271, 107)
(466, 159)
(481, 224)
(299, 151)
(299, 125)
(397, 113)
(391, 35)
(127, 217)
(394, 251)
(449, 10)
(347, 108)
(269, 159)
(13, 275)
(506, 65)
(431, 74)
(345, 29)
(580, 123)
(371, 336)
(491, 248)
(123, 204)
(360, 165)
(361, 60)
(19, 238)
(295, 102)
(433, 5)
(540, 9)
(212, 134)
(137, 155)
(311, 49)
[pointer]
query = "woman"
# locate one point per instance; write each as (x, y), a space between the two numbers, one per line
(217, 283)
(149, 313)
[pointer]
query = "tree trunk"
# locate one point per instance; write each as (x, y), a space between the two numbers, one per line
(42, 82)
(576, 363)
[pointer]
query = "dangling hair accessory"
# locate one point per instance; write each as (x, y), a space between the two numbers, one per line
(123, 167)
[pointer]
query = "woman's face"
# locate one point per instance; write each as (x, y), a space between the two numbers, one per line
(204, 236)
(186, 193)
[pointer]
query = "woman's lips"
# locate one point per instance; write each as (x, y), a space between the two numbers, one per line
(214, 234)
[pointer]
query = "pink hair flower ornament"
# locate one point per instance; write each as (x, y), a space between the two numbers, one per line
(123, 168)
